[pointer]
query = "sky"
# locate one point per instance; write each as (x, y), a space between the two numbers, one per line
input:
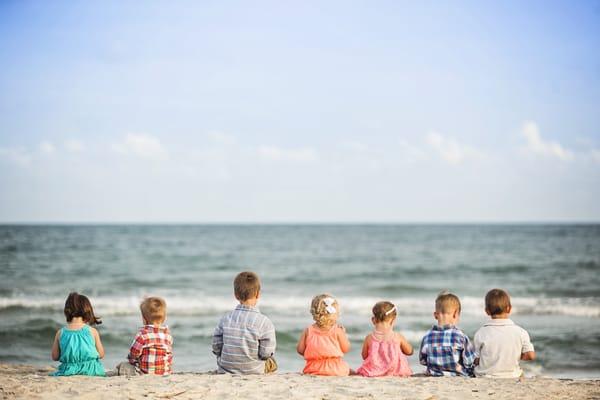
(311, 111)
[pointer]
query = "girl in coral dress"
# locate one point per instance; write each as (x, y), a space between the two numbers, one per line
(324, 343)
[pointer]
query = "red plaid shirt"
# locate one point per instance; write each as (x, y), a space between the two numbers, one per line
(152, 350)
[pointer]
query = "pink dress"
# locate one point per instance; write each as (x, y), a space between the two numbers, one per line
(385, 357)
(323, 353)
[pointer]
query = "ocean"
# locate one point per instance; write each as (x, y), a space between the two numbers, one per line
(551, 271)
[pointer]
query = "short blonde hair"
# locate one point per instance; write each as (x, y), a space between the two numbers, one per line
(154, 309)
(319, 312)
(497, 301)
(384, 311)
(246, 285)
(447, 302)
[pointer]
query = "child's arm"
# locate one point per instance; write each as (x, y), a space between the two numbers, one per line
(365, 348)
(343, 339)
(406, 347)
(301, 346)
(135, 351)
(56, 347)
(469, 355)
(217, 342)
(527, 350)
(267, 341)
(423, 352)
(99, 346)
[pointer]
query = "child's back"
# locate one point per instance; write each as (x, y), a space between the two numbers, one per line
(500, 342)
(78, 354)
(323, 353)
(243, 340)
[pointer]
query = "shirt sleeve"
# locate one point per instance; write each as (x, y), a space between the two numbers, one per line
(477, 342)
(267, 341)
(423, 352)
(217, 342)
(469, 354)
(135, 351)
(526, 345)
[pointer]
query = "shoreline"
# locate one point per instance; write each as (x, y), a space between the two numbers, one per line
(19, 381)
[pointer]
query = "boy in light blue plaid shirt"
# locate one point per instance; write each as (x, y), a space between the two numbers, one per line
(445, 349)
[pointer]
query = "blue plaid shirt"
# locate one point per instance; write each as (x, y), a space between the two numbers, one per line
(447, 351)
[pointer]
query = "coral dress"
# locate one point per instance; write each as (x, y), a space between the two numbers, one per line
(385, 357)
(78, 354)
(323, 354)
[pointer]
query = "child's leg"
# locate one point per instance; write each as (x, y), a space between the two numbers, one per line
(126, 369)
(270, 365)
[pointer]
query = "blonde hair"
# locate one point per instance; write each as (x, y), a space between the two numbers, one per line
(447, 302)
(319, 312)
(154, 309)
(384, 311)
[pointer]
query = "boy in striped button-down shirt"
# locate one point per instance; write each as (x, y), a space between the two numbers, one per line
(244, 340)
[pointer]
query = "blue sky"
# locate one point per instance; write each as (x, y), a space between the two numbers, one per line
(301, 112)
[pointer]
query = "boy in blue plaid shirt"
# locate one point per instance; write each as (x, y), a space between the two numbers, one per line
(445, 349)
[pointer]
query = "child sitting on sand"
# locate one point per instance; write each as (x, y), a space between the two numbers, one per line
(152, 349)
(244, 340)
(384, 351)
(77, 346)
(324, 343)
(499, 342)
(445, 349)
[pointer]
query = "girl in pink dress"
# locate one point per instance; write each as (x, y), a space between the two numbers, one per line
(324, 343)
(384, 351)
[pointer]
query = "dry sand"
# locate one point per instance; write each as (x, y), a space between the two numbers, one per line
(27, 382)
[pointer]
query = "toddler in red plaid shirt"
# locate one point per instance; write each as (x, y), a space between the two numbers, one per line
(152, 349)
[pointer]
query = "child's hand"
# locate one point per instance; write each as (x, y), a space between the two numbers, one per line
(341, 327)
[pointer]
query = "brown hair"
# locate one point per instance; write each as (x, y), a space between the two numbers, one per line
(497, 301)
(447, 302)
(318, 309)
(384, 311)
(154, 309)
(78, 305)
(246, 285)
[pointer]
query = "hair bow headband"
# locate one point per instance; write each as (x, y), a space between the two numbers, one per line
(329, 305)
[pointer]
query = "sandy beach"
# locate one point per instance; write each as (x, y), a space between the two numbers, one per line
(28, 382)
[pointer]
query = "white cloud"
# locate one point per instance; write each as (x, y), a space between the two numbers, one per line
(537, 145)
(74, 146)
(143, 146)
(16, 156)
(596, 155)
(47, 148)
(450, 150)
(302, 154)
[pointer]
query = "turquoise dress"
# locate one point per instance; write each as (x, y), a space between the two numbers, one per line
(78, 354)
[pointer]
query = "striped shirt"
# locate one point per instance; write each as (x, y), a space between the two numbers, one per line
(242, 341)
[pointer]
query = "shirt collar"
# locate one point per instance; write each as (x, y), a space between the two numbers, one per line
(499, 322)
(443, 327)
(244, 307)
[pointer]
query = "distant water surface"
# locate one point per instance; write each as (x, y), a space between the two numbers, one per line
(552, 273)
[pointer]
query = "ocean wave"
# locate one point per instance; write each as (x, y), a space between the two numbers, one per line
(297, 306)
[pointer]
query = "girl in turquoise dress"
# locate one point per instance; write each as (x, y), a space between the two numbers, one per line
(77, 346)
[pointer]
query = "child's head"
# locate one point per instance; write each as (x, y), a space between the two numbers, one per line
(154, 310)
(325, 310)
(246, 286)
(384, 311)
(78, 305)
(497, 302)
(447, 307)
